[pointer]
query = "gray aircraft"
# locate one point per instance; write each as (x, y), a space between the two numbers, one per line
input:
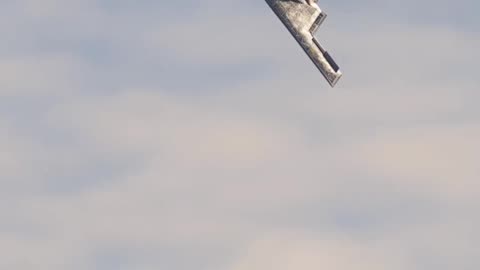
(302, 18)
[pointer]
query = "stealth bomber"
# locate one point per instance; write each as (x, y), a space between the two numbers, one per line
(302, 18)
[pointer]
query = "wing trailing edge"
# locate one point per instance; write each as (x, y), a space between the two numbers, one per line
(303, 20)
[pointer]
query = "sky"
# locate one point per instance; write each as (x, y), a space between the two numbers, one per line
(197, 135)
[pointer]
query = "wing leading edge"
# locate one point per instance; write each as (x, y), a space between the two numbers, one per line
(303, 20)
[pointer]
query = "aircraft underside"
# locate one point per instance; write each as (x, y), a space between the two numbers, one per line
(302, 19)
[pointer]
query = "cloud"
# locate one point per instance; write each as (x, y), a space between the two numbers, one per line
(290, 250)
(39, 75)
(442, 159)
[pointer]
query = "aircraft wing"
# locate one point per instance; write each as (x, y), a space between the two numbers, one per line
(303, 20)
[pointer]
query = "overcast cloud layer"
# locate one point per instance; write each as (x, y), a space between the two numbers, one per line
(197, 135)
